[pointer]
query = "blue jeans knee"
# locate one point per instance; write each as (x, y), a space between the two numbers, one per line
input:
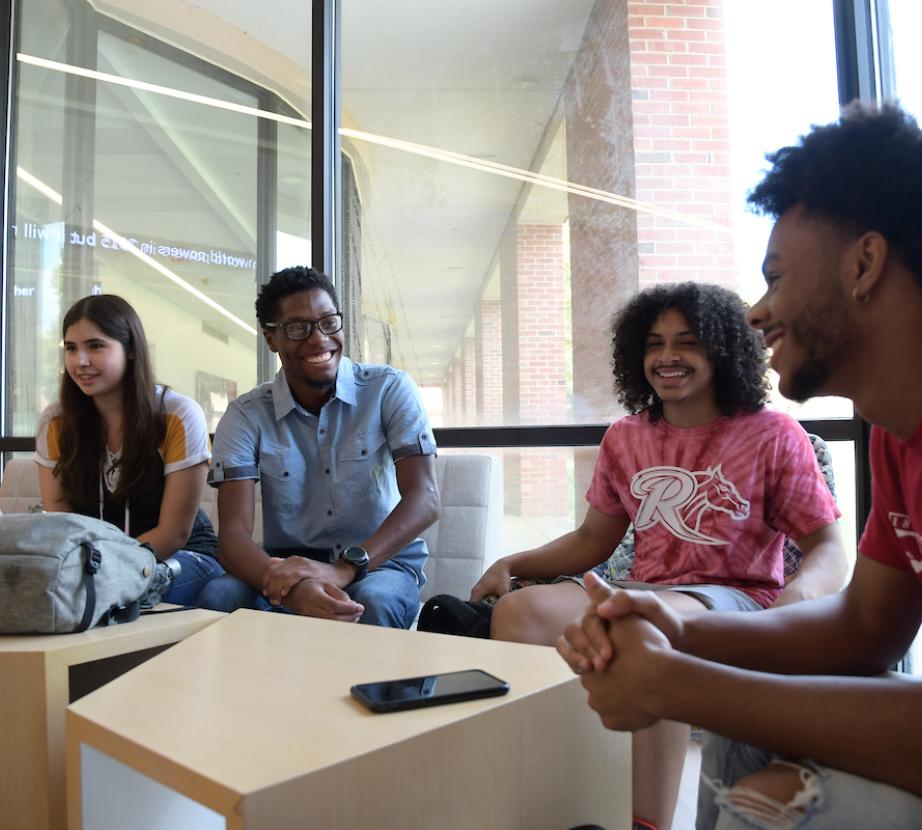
(227, 593)
(725, 762)
(198, 569)
(390, 595)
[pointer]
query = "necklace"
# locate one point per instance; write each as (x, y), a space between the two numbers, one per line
(111, 469)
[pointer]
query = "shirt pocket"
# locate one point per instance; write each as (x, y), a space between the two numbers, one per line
(364, 462)
(284, 479)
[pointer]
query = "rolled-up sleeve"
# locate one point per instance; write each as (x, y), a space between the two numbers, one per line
(406, 424)
(236, 442)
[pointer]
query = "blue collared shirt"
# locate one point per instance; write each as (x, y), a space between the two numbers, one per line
(327, 480)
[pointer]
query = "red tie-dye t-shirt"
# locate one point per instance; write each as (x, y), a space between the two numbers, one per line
(712, 504)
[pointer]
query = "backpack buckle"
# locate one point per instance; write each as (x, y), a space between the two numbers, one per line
(93, 560)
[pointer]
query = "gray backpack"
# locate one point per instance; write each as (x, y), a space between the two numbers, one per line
(63, 572)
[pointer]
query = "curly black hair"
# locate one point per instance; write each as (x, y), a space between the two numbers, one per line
(718, 318)
(861, 173)
(290, 281)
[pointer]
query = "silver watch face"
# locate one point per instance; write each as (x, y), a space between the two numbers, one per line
(356, 556)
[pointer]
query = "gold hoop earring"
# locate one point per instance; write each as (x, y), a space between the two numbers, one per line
(861, 299)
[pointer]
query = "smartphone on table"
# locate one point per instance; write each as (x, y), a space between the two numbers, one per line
(428, 690)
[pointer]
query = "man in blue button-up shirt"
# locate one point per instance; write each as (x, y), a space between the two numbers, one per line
(345, 456)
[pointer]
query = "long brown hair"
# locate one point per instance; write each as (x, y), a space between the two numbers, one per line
(83, 431)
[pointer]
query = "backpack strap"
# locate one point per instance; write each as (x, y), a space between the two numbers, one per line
(146, 611)
(90, 568)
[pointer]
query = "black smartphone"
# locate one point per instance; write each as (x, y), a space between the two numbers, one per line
(430, 690)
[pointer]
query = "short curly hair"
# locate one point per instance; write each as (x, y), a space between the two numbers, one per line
(861, 173)
(718, 318)
(290, 281)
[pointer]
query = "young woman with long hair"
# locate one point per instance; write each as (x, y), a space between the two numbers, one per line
(121, 448)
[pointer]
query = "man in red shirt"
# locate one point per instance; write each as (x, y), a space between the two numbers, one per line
(839, 746)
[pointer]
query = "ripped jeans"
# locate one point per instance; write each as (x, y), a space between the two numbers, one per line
(827, 800)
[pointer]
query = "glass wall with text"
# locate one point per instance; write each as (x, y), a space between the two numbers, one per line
(150, 145)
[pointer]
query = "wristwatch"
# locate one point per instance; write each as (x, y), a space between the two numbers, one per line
(358, 558)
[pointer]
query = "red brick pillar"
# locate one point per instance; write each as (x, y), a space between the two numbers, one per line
(542, 299)
(456, 384)
(603, 237)
(469, 352)
(542, 356)
(681, 139)
(489, 337)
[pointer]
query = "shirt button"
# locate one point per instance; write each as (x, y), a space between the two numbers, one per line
(327, 470)
(285, 474)
(322, 431)
(329, 512)
(364, 452)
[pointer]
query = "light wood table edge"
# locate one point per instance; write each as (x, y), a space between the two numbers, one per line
(29, 730)
(272, 807)
(198, 787)
(38, 675)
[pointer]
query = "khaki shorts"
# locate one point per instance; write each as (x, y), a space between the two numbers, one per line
(713, 597)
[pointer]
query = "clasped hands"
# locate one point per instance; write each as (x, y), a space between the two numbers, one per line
(310, 588)
(621, 648)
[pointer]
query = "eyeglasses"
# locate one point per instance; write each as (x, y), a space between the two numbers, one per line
(302, 329)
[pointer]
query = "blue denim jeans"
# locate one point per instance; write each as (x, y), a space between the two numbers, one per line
(831, 799)
(390, 595)
(198, 570)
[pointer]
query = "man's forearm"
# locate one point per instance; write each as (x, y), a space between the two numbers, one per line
(862, 629)
(867, 726)
(813, 637)
(415, 512)
(242, 557)
(803, 638)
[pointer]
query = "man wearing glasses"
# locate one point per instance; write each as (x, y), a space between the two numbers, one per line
(345, 456)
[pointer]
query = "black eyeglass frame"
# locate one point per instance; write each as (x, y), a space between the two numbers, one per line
(309, 326)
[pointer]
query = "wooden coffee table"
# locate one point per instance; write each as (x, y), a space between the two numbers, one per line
(39, 676)
(249, 724)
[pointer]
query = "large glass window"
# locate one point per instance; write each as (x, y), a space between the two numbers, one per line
(160, 154)
(512, 173)
(899, 23)
(525, 167)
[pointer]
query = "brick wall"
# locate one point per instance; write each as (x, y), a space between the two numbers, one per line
(456, 384)
(542, 349)
(603, 237)
(469, 359)
(541, 356)
(489, 335)
(681, 138)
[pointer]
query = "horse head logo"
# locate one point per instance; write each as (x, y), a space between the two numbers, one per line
(679, 499)
(714, 492)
